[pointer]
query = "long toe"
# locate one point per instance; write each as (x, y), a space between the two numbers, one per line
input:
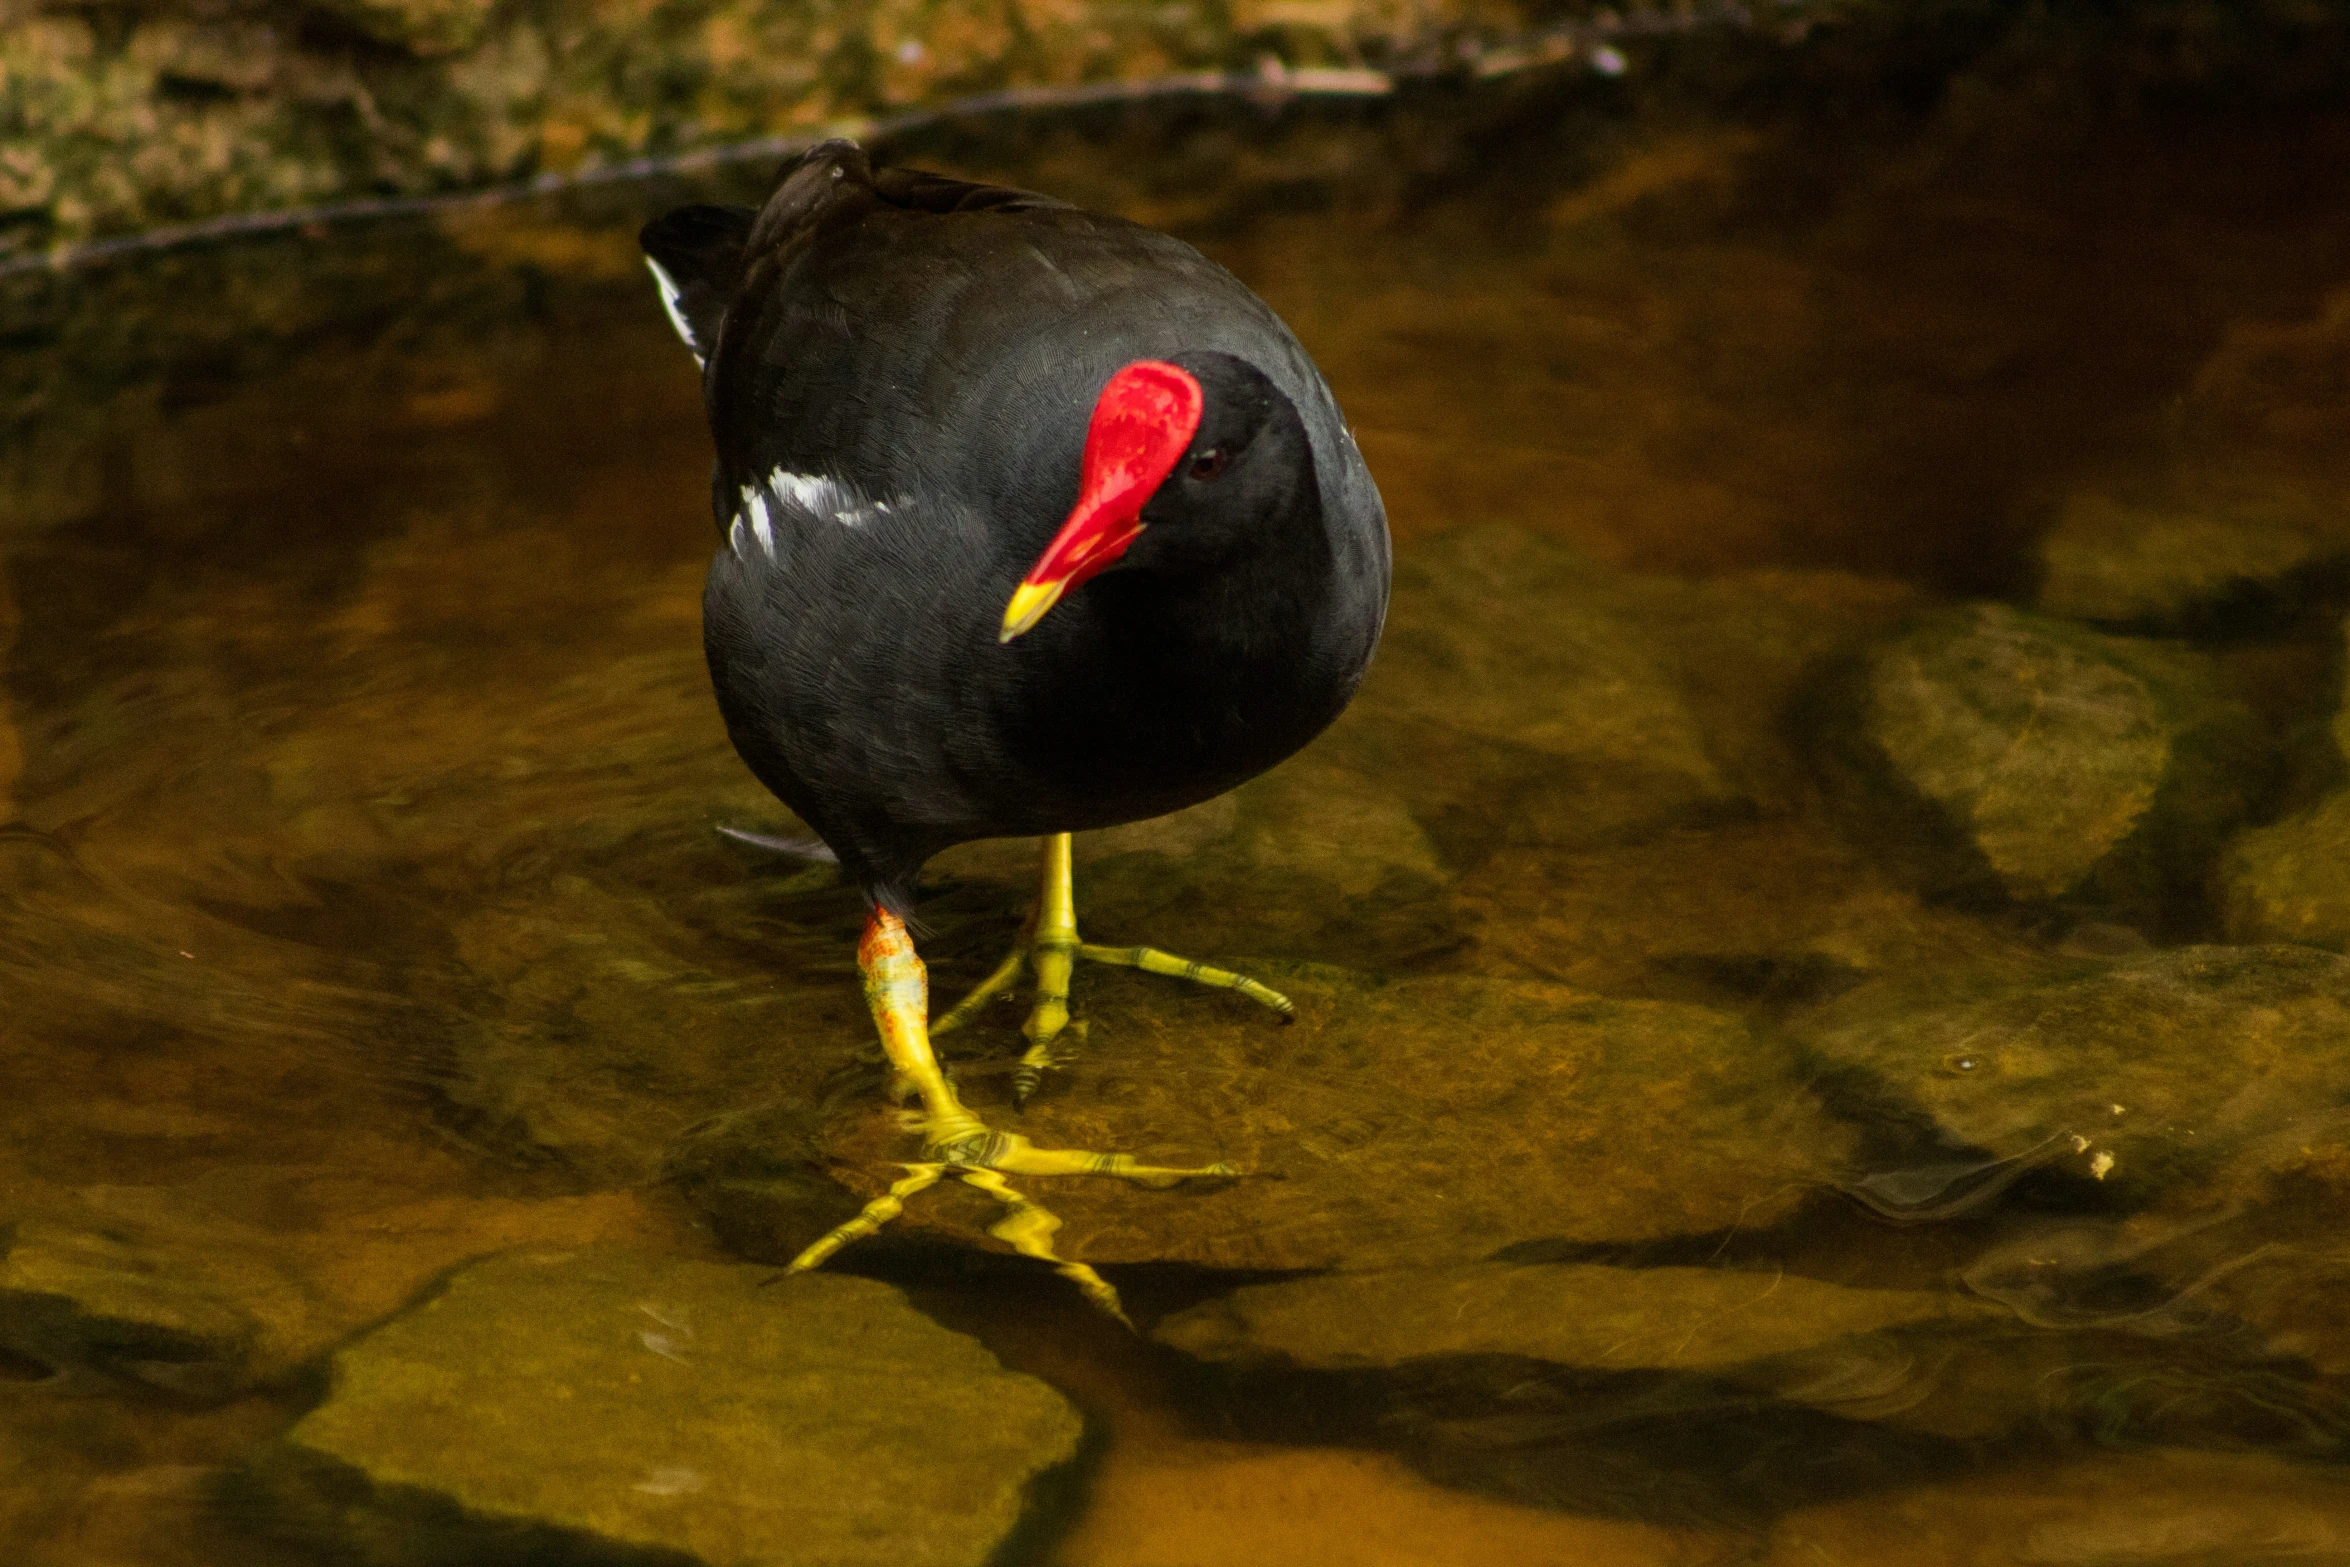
(1150, 960)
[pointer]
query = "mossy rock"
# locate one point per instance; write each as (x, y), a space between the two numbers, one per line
(2153, 1075)
(2291, 881)
(2212, 568)
(1702, 1320)
(1538, 705)
(1425, 1120)
(1938, 1363)
(1992, 755)
(617, 1407)
(136, 1285)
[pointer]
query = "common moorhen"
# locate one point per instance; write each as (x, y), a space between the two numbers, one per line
(1034, 521)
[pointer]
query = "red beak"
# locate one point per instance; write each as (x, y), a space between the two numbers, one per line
(1142, 423)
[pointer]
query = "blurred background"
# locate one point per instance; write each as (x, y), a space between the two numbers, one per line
(126, 114)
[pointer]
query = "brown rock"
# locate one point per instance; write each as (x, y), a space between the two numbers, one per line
(152, 1286)
(1427, 1120)
(1534, 705)
(1932, 1362)
(2254, 1258)
(136, 1283)
(617, 1024)
(2291, 881)
(626, 1407)
(1993, 753)
(1320, 860)
(1779, 912)
(2151, 1074)
(2183, 566)
(1580, 1314)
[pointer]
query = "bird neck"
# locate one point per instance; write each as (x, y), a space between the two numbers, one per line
(1244, 603)
(1224, 667)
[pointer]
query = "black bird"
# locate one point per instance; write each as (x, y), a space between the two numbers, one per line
(1035, 521)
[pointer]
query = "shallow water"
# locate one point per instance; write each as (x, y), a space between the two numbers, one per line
(365, 914)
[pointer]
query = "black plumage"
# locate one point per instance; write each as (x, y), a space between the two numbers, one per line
(899, 371)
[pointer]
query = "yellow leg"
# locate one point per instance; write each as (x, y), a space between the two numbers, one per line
(1049, 942)
(1052, 952)
(955, 1141)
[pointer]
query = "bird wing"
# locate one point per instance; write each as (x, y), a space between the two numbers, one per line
(696, 253)
(909, 335)
(919, 190)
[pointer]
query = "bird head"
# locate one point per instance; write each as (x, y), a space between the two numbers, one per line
(1193, 450)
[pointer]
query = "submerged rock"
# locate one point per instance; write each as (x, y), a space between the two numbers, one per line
(614, 1019)
(1699, 1340)
(1576, 1314)
(2256, 1258)
(1743, 647)
(2282, 1265)
(1675, 1394)
(148, 1285)
(1776, 913)
(132, 1283)
(624, 1407)
(2271, 386)
(1995, 753)
(2291, 881)
(2151, 1074)
(11, 749)
(2243, 1269)
(1527, 703)
(2223, 1283)
(1546, 1383)
(2166, 569)
(2292, 1296)
(1320, 859)
(1426, 1120)
(1537, 706)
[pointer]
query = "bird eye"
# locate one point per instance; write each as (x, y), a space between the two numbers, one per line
(1208, 464)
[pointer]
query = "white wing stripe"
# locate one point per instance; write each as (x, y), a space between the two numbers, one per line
(755, 507)
(808, 495)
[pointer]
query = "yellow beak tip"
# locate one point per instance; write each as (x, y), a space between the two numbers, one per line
(1029, 603)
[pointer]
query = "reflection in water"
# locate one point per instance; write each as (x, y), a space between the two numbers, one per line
(365, 913)
(1922, 1194)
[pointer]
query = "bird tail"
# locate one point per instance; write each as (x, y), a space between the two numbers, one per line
(696, 254)
(798, 848)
